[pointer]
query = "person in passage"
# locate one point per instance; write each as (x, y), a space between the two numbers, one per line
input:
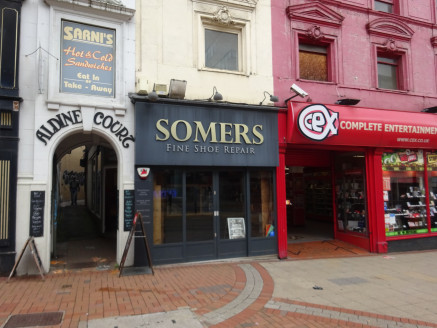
(74, 189)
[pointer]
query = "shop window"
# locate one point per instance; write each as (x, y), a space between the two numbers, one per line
(221, 50)
(432, 185)
(199, 204)
(313, 62)
(384, 6)
(261, 204)
(350, 192)
(389, 72)
(167, 207)
(232, 199)
(404, 192)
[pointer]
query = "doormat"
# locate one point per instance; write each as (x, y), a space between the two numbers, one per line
(34, 320)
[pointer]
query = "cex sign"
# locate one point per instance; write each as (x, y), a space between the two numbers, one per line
(358, 126)
(317, 122)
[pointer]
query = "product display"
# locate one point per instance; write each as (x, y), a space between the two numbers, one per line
(318, 195)
(351, 202)
(350, 193)
(405, 196)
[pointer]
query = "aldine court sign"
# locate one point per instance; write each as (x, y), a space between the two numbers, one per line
(87, 59)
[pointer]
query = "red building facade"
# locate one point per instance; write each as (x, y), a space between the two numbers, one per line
(362, 173)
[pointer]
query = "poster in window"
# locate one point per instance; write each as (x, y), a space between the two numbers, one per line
(87, 59)
(237, 228)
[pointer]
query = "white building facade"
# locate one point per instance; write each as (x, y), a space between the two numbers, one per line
(208, 130)
(77, 66)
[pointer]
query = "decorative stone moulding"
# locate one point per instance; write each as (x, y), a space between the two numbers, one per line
(434, 41)
(390, 27)
(315, 33)
(223, 16)
(390, 45)
(315, 13)
(248, 4)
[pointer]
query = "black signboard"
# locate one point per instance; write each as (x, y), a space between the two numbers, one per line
(205, 136)
(129, 209)
(37, 199)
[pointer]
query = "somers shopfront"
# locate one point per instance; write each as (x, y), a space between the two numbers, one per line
(378, 168)
(205, 182)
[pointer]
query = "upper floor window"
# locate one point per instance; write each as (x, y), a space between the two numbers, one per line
(392, 70)
(221, 50)
(384, 6)
(388, 72)
(313, 62)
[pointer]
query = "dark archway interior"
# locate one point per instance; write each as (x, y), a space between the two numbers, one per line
(84, 231)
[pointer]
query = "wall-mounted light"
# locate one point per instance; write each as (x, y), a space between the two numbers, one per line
(347, 102)
(298, 92)
(432, 110)
(272, 98)
(216, 96)
(177, 89)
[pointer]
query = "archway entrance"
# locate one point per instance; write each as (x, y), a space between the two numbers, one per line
(84, 204)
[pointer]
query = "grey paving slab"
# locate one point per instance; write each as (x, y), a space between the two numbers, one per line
(359, 319)
(403, 284)
(250, 293)
(175, 319)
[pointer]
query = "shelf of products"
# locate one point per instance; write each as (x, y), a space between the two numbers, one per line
(407, 213)
(351, 202)
(318, 195)
(405, 203)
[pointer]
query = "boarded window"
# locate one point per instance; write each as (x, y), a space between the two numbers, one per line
(313, 62)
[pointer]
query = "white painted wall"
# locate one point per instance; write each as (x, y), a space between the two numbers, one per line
(169, 43)
(39, 88)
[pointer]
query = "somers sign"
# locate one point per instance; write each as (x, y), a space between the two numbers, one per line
(190, 135)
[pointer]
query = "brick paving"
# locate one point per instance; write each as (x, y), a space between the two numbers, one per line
(219, 294)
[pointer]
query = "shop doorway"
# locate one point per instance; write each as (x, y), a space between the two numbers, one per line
(84, 205)
(204, 214)
(309, 204)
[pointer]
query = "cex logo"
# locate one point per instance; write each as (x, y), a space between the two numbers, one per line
(317, 122)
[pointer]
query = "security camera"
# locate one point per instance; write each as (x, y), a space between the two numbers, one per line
(298, 91)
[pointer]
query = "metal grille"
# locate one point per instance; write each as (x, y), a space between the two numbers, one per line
(5, 169)
(5, 119)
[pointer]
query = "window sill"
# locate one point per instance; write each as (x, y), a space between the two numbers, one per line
(391, 90)
(214, 70)
(314, 81)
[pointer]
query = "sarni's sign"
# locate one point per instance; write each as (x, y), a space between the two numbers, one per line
(87, 59)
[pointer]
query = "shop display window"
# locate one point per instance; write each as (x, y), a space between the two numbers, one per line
(232, 198)
(261, 204)
(404, 192)
(199, 204)
(350, 192)
(432, 185)
(167, 206)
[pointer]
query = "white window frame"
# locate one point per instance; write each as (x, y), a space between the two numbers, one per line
(239, 27)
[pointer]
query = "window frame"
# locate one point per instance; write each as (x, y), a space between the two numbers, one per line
(314, 51)
(401, 68)
(328, 42)
(228, 31)
(238, 27)
(392, 3)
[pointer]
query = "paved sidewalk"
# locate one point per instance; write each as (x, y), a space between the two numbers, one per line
(396, 290)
